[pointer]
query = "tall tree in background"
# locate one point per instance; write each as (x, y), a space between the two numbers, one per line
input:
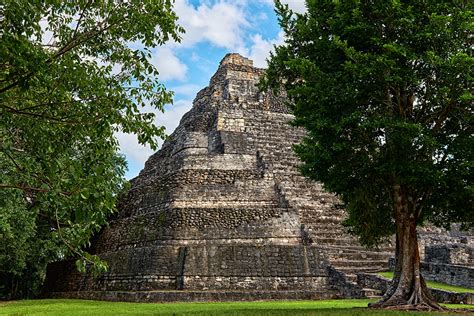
(72, 73)
(384, 89)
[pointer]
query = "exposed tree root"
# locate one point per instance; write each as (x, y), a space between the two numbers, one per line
(421, 306)
(408, 290)
(419, 299)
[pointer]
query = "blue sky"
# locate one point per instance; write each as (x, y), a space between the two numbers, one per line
(213, 29)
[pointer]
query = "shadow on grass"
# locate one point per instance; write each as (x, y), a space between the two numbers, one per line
(358, 311)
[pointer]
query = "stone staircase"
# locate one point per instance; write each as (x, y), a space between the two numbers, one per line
(322, 222)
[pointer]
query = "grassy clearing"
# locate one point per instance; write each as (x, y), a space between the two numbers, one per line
(435, 285)
(83, 307)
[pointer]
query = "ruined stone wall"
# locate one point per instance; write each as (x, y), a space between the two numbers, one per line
(200, 267)
(457, 254)
(449, 273)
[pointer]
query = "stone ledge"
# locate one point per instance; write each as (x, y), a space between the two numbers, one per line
(196, 296)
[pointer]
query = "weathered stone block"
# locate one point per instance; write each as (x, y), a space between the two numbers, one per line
(459, 254)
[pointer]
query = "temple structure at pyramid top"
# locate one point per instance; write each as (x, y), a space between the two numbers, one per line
(236, 59)
(235, 83)
(221, 212)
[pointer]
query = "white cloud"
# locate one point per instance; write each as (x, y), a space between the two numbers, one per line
(298, 6)
(220, 23)
(260, 49)
(224, 23)
(195, 57)
(47, 36)
(170, 119)
(168, 64)
(136, 153)
(188, 90)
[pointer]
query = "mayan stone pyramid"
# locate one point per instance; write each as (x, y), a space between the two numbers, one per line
(222, 213)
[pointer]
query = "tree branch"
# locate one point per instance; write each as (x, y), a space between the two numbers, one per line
(22, 187)
(444, 115)
(14, 162)
(44, 104)
(34, 189)
(67, 243)
(74, 42)
(58, 120)
(81, 16)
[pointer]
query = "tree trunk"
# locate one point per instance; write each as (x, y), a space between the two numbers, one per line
(408, 289)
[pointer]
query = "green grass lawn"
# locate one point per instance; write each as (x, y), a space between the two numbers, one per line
(83, 307)
(435, 285)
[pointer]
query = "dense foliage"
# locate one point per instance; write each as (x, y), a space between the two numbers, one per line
(384, 89)
(72, 73)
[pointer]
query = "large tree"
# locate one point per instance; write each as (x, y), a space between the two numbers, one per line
(72, 74)
(384, 90)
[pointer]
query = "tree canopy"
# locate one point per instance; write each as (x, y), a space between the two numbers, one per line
(384, 90)
(72, 74)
